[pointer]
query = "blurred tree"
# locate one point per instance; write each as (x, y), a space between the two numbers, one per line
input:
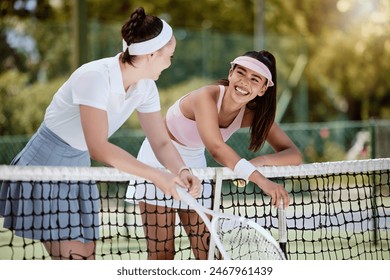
(346, 42)
(219, 15)
(348, 48)
(354, 61)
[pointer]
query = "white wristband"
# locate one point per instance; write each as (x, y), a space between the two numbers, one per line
(244, 169)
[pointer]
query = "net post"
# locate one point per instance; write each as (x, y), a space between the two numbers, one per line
(216, 203)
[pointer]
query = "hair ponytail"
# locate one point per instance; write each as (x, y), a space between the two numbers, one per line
(263, 107)
(139, 28)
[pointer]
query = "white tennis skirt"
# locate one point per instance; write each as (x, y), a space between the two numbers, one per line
(149, 193)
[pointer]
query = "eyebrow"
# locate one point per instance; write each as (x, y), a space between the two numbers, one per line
(244, 69)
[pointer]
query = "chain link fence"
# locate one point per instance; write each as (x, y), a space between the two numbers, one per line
(318, 142)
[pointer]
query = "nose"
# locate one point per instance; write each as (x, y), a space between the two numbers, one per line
(244, 81)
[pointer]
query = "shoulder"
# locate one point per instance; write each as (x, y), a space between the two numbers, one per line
(206, 93)
(96, 70)
(202, 100)
(101, 66)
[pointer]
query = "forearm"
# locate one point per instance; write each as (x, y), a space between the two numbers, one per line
(169, 157)
(224, 155)
(114, 156)
(160, 142)
(290, 156)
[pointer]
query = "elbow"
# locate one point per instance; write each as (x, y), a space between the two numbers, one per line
(297, 158)
(97, 153)
(216, 154)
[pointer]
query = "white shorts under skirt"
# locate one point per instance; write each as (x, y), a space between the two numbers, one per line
(193, 157)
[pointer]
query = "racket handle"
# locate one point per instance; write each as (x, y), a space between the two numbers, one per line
(185, 196)
(282, 225)
(282, 222)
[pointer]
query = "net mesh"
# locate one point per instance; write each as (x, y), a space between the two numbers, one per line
(338, 210)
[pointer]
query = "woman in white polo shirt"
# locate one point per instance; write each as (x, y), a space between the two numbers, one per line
(90, 106)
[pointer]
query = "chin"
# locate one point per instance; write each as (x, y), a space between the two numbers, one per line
(156, 77)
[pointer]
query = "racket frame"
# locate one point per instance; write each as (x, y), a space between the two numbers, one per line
(212, 224)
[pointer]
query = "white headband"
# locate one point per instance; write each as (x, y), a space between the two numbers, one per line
(255, 65)
(151, 45)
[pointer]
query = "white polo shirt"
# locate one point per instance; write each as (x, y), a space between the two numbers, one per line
(98, 84)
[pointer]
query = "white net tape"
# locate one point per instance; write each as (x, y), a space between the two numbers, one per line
(51, 173)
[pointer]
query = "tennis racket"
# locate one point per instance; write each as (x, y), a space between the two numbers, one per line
(236, 237)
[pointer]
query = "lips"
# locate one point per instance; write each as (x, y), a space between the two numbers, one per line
(241, 91)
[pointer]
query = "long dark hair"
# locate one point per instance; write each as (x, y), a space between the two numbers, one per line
(263, 107)
(139, 28)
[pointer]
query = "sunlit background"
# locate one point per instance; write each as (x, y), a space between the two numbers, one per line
(333, 60)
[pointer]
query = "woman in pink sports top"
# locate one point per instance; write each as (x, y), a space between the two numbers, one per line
(204, 119)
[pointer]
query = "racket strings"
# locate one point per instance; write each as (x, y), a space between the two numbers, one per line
(243, 242)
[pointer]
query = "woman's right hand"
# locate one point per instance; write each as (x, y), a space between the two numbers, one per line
(274, 190)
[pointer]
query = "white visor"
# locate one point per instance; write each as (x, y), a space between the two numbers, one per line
(255, 65)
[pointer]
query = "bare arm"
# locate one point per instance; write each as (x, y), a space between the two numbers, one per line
(155, 130)
(95, 126)
(203, 103)
(206, 116)
(167, 154)
(286, 152)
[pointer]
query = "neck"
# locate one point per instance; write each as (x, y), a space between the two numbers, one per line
(130, 74)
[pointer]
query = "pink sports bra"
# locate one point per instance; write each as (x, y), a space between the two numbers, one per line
(185, 130)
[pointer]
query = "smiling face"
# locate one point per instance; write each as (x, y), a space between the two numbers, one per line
(246, 84)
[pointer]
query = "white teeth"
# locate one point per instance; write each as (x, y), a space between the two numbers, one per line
(240, 90)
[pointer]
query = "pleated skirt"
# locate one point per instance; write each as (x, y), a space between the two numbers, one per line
(51, 211)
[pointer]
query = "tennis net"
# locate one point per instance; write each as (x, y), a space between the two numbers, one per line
(338, 210)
